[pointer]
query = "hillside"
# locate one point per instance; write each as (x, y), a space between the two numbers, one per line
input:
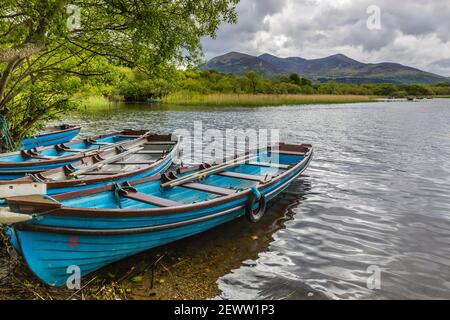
(336, 67)
(240, 63)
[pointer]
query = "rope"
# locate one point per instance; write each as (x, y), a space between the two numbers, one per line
(117, 189)
(7, 140)
(45, 196)
(256, 193)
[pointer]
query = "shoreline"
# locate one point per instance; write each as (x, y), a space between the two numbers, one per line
(234, 100)
(244, 100)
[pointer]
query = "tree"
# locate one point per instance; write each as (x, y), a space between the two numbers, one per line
(305, 82)
(387, 90)
(137, 87)
(295, 79)
(417, 90)
(46, 46)
(254, 79)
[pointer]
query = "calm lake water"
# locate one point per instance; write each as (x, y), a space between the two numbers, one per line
(375, 198)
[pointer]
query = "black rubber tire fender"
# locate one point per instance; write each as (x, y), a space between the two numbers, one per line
(255, 215)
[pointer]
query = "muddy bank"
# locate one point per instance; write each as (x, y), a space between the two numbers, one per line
(187, 269)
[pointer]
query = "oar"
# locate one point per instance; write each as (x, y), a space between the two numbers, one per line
(206, 172)
(106, 161)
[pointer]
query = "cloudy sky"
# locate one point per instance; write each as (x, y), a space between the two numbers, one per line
(411, 32)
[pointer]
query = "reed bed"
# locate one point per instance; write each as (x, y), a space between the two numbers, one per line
(261, 99)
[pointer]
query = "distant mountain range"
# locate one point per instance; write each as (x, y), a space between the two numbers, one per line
(337, 67)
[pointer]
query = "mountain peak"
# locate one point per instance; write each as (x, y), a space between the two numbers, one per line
(337, 67)
(340, 56)
(234, 55)
(267, 55)
(240, 63)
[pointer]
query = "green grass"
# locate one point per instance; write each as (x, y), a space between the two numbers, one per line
(260, 99)
(94, 102)
(178, 99)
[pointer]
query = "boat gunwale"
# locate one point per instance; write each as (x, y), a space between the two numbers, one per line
(57, 209)
(71, 128)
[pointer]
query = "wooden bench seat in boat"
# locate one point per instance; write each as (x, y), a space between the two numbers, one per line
(242, 176)
(122, 163)
(210, 189)
(153, 200)
(150, 152)
(101, 173)
(99, 143)
(292, 149)
(269, 165)
(151, 143)
(74, 150)
(130, 136)
(291, 153)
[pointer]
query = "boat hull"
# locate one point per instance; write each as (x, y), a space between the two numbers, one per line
(51, 256)
(50, 139)
(91, 244)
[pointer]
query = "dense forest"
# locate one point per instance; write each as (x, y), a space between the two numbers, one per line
(125, 84)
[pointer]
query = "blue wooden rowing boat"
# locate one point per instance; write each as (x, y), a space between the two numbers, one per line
(93, 228)
(139, 158)
(53, 135)
(17, 164)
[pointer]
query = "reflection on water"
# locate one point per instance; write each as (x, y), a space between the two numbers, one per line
(192, 266)
(376, 194)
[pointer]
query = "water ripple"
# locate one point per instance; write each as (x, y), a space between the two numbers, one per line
(376, 194)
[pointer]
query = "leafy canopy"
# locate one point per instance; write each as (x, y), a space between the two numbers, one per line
(47, 46)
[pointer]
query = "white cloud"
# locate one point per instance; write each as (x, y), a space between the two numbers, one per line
(413, 32)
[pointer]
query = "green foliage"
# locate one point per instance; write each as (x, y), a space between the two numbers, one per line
(442, 89)
(138, 88)
(295, 79)
(41, 54)
(194, 86)
(196, 81)
(388, 90)
(254, 81)
(417, 90)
